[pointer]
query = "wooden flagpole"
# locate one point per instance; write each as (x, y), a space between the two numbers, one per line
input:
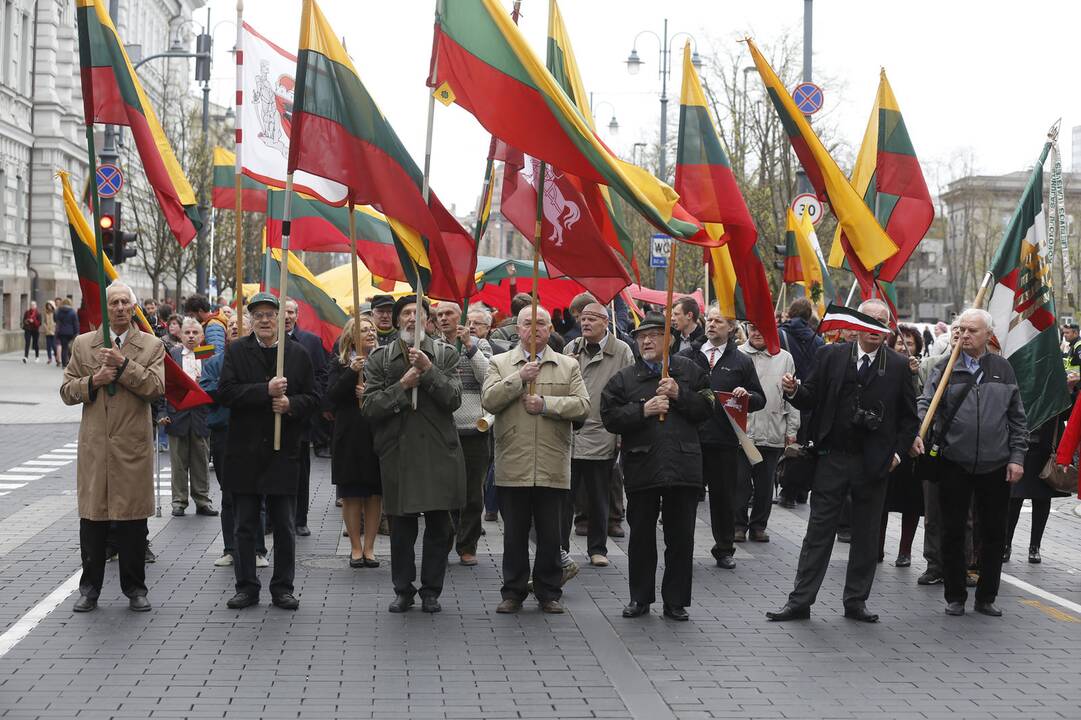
(668, 312)
(537, 233)
(238, 216)
(283, 289)
(356, 285)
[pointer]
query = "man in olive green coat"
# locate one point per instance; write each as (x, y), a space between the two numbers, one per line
(420, 457)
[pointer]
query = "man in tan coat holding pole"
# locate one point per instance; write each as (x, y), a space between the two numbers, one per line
(115, 472)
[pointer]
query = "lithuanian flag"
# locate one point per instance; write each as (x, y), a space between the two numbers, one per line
(112, 94)
(606, 208)
(318, 313)
(869, 241)
(888, 177)
(708, 189)
(481, 60)
(223, 195)
(338, 133)
(317, 227)
(180, 390)
(804, 264)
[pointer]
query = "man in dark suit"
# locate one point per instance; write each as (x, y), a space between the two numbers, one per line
(864, 421)
(254, 393)
(729, 370)
(312, 430)
(686, 328)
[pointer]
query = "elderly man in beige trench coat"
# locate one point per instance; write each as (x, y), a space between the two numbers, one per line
(115, 473)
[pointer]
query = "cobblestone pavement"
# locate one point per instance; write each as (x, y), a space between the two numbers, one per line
(343, 655)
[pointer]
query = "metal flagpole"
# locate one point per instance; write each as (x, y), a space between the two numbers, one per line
(851, 292)
(705, 284)
(283, 289)
(356, 285)
(238, 216)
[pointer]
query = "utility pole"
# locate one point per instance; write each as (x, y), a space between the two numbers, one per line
(108, 152)
(202, 75)
(803, 185)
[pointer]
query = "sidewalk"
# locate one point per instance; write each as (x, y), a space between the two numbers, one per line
(30, 393)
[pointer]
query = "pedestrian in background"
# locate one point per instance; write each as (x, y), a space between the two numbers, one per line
(48, 328)
(1035, 489)
(67, 327)
(354, 465)
(114, 475)
(31, 331)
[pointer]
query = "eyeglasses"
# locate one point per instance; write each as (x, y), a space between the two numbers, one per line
(652, 337)
(264, 315)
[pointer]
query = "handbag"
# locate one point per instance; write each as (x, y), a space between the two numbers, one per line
(1060, 480)
(930, 463)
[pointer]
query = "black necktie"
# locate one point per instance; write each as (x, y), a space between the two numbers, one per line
(592, 348)
(864, 373)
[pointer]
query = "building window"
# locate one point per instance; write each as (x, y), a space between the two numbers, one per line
(20, 210)
(7, 36)
(27, 71)
(3, 206)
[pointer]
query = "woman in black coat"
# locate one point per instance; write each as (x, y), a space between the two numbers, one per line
(354, 467)
(1032, 487)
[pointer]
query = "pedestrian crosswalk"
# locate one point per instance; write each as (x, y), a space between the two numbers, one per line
(30, 470)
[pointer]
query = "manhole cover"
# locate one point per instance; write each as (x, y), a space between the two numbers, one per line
(323, 562)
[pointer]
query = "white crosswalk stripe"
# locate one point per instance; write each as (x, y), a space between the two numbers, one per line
(11, 486)
(27, 478)
(48, 463)
(28, 470)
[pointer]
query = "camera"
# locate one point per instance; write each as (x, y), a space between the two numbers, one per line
(868, 418)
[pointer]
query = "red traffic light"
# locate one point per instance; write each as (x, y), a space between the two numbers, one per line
(106, 222)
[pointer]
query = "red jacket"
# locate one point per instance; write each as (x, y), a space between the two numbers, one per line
(31, 319)
(1067, 446)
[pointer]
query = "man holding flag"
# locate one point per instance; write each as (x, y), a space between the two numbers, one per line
(116, 386)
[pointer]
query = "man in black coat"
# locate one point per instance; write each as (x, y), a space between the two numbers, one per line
(729, 370)
(254, 393)
(686, 328)
(864, 422)
(662, 469)
(314, 431)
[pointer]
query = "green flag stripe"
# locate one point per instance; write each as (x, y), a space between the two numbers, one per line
(892, 133)
(103, 51)
(700, 145)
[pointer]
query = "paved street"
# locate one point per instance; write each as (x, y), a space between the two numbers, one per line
(343, 655)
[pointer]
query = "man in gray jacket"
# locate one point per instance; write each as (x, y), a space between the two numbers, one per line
(600, 356)
(980, 438)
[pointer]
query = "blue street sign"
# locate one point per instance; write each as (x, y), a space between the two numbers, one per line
(110, 180)
(808, 98)
(659, 248)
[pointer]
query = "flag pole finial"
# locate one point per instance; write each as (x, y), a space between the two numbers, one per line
(1052, 134)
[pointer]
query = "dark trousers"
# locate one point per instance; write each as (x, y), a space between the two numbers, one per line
(490, 503)
(477, 450)
(755, 488)
(932, 527)
(1041, 511)
(837, 476)
(219, 438)
(990, 495)
(541, 507)
(719, 473)
(65, 348)
(438, 537)
(30, 337)
(303, 483)
(677, 507)
(129, 539)
(50, 346)
(590, 480)
(281, 510)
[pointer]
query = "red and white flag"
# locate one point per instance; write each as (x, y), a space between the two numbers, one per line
(735, 409)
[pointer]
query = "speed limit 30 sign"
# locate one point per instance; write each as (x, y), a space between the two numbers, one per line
(807, 203)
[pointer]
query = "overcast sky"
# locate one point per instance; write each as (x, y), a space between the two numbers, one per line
(989, 77)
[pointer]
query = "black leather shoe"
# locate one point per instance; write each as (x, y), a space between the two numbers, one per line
(242, 600)
(740, 536)
(430, 605)
(727, 562)
(987, 608)
(635, 609)
(85, 604)
(787, 503)
(178, 512)
(929, 577)
(371, 563)
(676, 613)
(356, 562)
(303, 531)
(401, 603)
(844, 536)
(209, 511)
(1034, 555)
(955, 608)
(789, 612)
(1006, 554)
(139, 603)
(862, 614)
(286, 601)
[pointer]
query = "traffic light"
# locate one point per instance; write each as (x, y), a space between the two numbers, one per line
(121, 241)
(780, 250)
(108, 233)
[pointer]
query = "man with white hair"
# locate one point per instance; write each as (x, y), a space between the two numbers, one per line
(189, 451)
(863, 421)
(536, 395)
(979, 438)
(114, 476)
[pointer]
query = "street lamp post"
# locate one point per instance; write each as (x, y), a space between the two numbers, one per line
(634, 64)
(613, 124)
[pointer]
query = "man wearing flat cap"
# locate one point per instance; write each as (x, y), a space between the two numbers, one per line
(382, 308)
(420, 457)
(254, 393)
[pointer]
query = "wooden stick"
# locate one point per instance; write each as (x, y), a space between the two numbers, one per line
(356, 288)
(283, 289)
(668, 313)
(929, 417)
(238, 219)
(537, 232)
